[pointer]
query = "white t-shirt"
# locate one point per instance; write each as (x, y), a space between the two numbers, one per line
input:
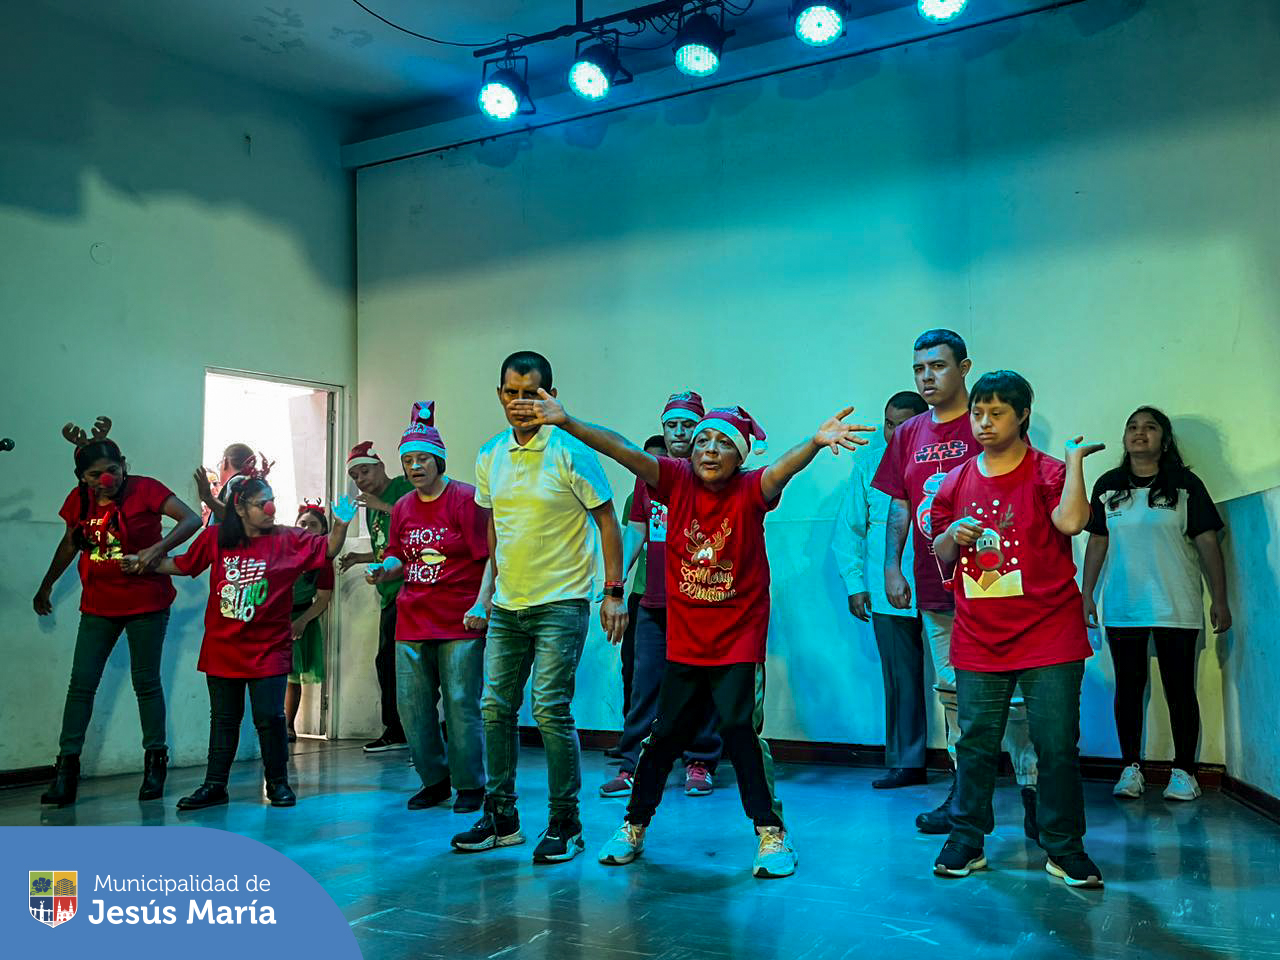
(858, 540)
(1152, 573)
(540, 494)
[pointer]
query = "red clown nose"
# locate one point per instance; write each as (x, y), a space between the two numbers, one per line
(107, 482)
(269, 508)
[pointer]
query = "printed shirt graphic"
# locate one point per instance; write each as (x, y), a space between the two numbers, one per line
(379, 525)
(248, 623)
(106, 590)
(53, 895)
(1152, 573)
(1017, 603)
(444, 546)
(717, 570)
(914, 465)
(654, 515)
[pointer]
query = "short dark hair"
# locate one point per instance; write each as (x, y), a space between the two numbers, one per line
(1007, 386)
(943, 338)
(231, 533)
(526, 361)
(655, 441)
(907, 400)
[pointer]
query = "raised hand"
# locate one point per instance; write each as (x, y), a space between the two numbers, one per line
(371, 501)
(834, 433)
(204, 489)
(344, 509)
(546, 410)
(1078, 449)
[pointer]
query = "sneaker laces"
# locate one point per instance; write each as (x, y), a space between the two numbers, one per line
(696, 771)
(771, 840)
(630, 832)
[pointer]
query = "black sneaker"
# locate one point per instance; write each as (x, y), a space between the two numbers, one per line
(1029, 825)
(432, 796)
(280, 794)
(562, 841)
(900, 777)
(385, 743)
(1076, 870)
(938, 820)
(490, 831)
(205, 795)
(468, 801)
(958, 859)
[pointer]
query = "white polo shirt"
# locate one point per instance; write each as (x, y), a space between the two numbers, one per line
(858, 540)
(540, 494)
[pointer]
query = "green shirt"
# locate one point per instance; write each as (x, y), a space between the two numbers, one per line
(639, 578)
(379, 525)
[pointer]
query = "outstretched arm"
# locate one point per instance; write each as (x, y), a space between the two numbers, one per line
(549, 411)
(1072, 511)
(833, 434)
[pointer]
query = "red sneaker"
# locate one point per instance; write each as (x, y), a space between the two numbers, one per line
(697, 781)
(619, 786)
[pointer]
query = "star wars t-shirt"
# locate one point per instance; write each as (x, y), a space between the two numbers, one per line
(248, 628)
(653, 514)
(1017, 603)
(914, 465)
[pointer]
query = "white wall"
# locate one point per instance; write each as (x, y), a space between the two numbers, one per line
(1088, 197)
(217, 251)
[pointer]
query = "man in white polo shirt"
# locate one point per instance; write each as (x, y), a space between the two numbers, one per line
(544, 488)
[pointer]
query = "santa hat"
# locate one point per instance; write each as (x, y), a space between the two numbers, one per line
(362, 452)
(421, 436)
(684, 406)
(736, 424)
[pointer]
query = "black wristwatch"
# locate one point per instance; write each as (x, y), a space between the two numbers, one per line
(615, 590)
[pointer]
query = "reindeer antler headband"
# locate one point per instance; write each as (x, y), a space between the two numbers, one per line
(80, 438)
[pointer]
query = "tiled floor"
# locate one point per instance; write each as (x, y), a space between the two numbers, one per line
(1193, 880)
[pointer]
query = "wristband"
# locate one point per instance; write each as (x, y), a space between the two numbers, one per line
(615, 589)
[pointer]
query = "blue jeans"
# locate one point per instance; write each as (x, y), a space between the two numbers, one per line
(545, 641)
(426, 673)
(1052, 696)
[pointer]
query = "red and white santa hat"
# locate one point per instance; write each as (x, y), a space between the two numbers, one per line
(684, 406)
(736, 424)
(421, 436)
(362, 452)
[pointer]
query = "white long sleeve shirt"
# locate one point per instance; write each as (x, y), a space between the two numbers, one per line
(859, 535)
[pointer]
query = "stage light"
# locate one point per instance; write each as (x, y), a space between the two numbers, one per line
(819, 24)
(941, 11)
(699, 43)
(505, 92)
(597, 69)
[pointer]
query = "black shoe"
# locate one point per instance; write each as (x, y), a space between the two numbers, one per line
(490, 831)
(205, 795)
(431, 796)
(384, 743)
(1076, 870)
(468, 801)
(900, 777)
(1029, 825)
(613, 753)
(562, 841)
(155, 765)
(280, 794)
(958, 859)
(293, 735)
(938, 820)
(66, 782)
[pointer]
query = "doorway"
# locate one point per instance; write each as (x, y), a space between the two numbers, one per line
(292, 425)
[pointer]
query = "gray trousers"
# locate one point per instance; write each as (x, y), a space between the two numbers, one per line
(901, 644)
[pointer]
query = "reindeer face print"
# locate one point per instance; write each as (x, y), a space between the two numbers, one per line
(705, 574)
(998, 547)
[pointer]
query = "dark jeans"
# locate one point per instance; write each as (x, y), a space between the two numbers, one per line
(900, 641)
(385, 665)
(94, 642)
(226, 710)
(1176, 654)
(546, 642)
(1052, 696)
(737, 691)
(651, 664)
(629, 651)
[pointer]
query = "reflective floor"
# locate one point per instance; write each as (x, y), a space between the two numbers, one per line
(1188, 880)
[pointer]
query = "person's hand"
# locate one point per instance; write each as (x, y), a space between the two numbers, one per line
(42, 602)
(613, 617)
(896, 587)
(834, 433)
(371, 501)
(477, 618)
(204, 490)
(1090, 613)
(347, 561)
(143, 560)
(1220, 616)
(344, 509)
(299, 627)
(860, 605)
(546, 410)
(965, 531)
(1076, 448)
(374, 573)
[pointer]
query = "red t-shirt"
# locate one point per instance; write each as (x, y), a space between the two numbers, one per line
(717, 570)
(444, 545)
(653, 514)
(248, 622)
(1017, 603)
(917, 458)
(125, 526)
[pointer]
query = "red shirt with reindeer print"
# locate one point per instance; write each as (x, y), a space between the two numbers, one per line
(444, 546)
(717, 570)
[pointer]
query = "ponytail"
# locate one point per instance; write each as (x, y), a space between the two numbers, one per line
(231, 532)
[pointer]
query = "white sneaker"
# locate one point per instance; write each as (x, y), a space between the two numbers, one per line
(775, 857)
(1131, 783)
(624, 846)
(1182, 786)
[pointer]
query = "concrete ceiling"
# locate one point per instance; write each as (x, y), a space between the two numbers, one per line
(333, 53)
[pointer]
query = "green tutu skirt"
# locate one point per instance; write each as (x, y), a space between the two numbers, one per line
(308, 652)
